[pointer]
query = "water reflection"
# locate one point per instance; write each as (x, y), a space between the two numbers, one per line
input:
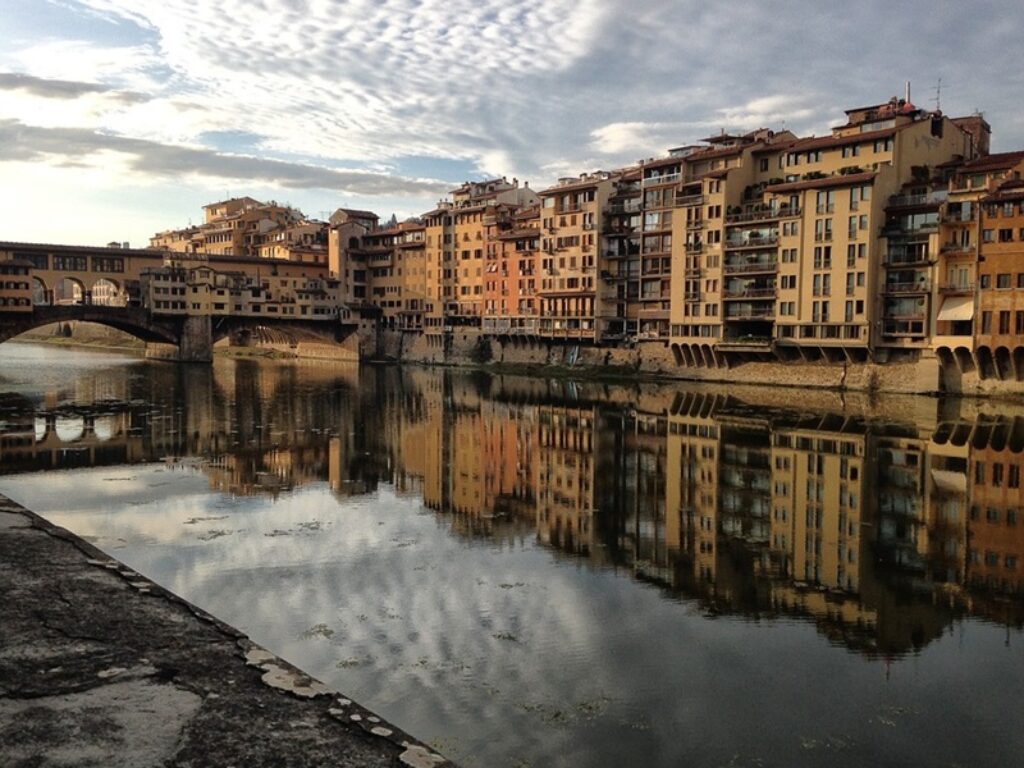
(879, 522)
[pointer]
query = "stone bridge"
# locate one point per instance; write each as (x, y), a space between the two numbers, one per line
(193, 335)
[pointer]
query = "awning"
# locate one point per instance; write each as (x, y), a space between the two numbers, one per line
(951, 482)
(956, 308)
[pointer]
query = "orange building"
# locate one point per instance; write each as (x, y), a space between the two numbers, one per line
(999, 336)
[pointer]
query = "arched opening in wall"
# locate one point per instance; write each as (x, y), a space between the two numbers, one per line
(964, 359)
(945, 355)
(107, 293)
(1000, 435)
(1004, 368)
(1018, 363)
(980, 437)
(68, 290)
(40, 296)
(942, 433)
(677, 354)
(1016, 441)
(69, 429)
(986, 363)
(709, 359)
(105, 428)
(961, 434)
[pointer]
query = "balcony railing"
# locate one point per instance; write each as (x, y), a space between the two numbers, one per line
(907, 201)
(965, 248)
(896, 229)
(906, 259)
(751, 314)
(664, 178)
(631, 206)
(694, 247)
(761, 266)
(750, 293)
(921, 286)
(766, 214)
(695, 224)
(957, 288)
(958, 217)
(690, 199)
(752, 242)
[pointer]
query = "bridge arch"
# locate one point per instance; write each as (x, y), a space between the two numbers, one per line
(135, 322)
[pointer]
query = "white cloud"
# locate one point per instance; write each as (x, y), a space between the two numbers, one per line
(535, 89)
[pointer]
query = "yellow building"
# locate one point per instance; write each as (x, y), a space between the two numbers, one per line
(571, 211)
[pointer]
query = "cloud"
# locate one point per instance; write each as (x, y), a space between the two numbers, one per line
(535, 89)
(49, 88)
(26, 143)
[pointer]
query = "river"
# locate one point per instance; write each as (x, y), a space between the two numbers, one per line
(525, 572)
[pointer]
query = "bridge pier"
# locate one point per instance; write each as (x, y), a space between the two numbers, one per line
(196, 344)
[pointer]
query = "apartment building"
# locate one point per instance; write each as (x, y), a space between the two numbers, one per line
(16, 286)
(235, 227)
(999, 349)
(203, 290)
(346, 259)
(571, 215)
(511, 306)
(459, 232)
(395, 264)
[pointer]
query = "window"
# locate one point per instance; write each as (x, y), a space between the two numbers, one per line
(1004, 322)
(1003, 280)
(1005, 235)
(985, 281)
(986, 322)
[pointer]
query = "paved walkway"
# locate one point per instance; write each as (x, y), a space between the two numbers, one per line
(101, 667)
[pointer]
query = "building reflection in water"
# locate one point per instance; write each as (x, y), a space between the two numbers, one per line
(879, 523)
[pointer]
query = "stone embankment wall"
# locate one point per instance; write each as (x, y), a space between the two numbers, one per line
(469, 347)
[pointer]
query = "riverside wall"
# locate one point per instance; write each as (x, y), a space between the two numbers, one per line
(101, 666)
(655, 359)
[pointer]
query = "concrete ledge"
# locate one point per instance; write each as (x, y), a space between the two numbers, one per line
(100, 666)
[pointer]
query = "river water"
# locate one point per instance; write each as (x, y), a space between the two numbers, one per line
(552, 573)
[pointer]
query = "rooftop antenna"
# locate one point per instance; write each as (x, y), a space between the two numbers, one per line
(938, 96)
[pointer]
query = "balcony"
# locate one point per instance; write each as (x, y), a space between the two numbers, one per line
(693, 224)
(895, 289)
(913, 201)
(751, 242)
(915, 259)
(694, 247)
(750, 293)
(896, 229)
(749, 313)
(664, 178)
(950, 249)
(959, 216)
(765, 214)
(630, 206)
(684, 200)
(752, 268)
(965, 289)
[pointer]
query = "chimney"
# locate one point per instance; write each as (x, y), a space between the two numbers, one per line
(907, 96)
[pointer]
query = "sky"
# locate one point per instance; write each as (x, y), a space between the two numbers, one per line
(121, 118)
